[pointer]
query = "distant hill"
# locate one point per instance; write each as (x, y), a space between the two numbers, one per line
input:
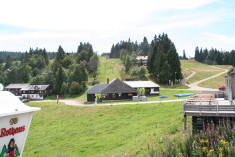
(109, 68)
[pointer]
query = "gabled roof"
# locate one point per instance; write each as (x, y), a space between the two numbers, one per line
(27, 86)
(36, 87)
(142, 57)
(232, 70)
(17, 85)
(141, 84)
(118, 86)
(97, 88)
(115, 86)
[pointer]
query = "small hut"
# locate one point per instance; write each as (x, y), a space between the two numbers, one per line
(115, 90)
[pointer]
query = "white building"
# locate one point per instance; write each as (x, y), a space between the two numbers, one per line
(150, 87)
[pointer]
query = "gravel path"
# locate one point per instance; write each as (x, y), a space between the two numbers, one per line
(194, 86)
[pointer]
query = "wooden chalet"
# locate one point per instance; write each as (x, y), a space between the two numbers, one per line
(30, 91)
(115, 90)
(211, 105)
(16, 88)
(143, 59)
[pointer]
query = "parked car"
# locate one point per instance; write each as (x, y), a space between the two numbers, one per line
(25, 100)
(222, 88)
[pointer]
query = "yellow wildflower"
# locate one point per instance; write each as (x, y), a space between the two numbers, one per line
(201, 141)
(221, 149)
(211, 151)
(223, 142)
(204, 148)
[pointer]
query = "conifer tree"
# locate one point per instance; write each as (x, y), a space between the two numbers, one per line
(60, 78)
(8, 63)
(163, 60)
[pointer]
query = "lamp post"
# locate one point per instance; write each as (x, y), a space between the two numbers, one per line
(175, 77)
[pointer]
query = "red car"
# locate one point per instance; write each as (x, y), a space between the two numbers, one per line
(222, 88)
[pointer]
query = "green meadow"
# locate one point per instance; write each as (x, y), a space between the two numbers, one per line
(72, 131)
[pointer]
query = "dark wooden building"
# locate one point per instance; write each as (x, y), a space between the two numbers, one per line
(115, 90)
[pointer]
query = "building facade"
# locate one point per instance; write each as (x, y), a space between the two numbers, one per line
(28, 91)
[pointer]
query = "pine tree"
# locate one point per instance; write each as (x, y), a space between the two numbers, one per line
(163, 54)
(60, 54)
(184, 55)
(93, 63)
(196, 56)
(144, 46)
(60, 78)
(8, 63)
(127, 63)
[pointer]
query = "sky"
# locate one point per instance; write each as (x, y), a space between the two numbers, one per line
(50, 23)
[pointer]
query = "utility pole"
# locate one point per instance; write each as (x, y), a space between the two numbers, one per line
(113, 66)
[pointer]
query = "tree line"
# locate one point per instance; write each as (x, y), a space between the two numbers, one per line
(16, 56)
(127, 47)
(214, 56)
(163, 61)
(67, 73)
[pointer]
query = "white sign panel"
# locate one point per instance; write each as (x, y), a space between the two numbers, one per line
(13, 132)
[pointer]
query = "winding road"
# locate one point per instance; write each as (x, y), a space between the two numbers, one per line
(194, 86)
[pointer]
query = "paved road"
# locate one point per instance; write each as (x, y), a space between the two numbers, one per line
(185, 80)
(76, 103)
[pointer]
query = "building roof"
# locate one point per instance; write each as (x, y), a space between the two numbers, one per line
(97, 88)
(118, 86)
(36, 87)
(232, 70)
(141, 84)
(142, 57)
(115, 86)
(27, 86)
(17, 85)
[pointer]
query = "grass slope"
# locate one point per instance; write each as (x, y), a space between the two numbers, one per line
(109, 68)
(214, 83)
(101, 130)
(203, 71)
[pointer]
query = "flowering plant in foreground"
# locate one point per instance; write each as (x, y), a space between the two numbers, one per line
(215, 140)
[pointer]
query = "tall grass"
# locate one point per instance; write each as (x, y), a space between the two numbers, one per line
(73, 131)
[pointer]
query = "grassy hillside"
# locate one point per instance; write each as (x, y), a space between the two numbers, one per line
(109, 68)
(61, 130)
(214, 83)
(203, 71)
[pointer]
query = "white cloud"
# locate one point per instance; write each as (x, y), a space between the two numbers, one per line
(218, 41)
(102, 23)
(90, 14)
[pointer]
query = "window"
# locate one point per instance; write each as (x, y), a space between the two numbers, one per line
(155, 89)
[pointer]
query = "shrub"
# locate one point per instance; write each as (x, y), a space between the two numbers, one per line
(215, 140)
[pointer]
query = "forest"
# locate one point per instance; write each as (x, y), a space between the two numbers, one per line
(163, 60)
(67, 73)
(214, 56)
